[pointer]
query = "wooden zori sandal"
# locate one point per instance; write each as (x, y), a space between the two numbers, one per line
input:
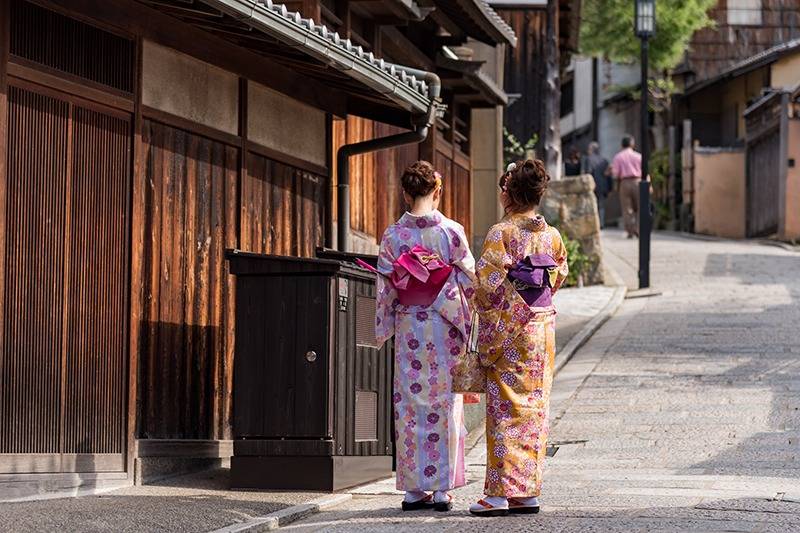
(443, 507)
(424, 503)
(484, 508)
(517, 507)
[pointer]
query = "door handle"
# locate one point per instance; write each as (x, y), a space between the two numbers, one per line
(311, 356)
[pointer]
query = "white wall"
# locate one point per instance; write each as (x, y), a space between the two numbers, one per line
(582, 106)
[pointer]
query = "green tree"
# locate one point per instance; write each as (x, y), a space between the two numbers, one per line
(607, 30)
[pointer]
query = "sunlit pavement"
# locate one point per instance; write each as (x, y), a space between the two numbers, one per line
(681, 414)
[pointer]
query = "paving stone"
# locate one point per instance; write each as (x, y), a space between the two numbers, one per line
(685, 407)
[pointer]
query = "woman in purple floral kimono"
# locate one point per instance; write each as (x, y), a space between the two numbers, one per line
(423, 300)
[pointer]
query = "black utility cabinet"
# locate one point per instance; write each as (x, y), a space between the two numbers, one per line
(312, 391)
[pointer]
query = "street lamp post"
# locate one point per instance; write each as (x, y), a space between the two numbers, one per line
(645, 27)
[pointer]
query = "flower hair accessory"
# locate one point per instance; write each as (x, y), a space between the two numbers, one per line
(438, 178)
(509, 169)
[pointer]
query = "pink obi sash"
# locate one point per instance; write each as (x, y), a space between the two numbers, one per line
(419, 276)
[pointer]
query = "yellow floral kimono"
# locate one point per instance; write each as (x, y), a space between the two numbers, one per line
(517, 345)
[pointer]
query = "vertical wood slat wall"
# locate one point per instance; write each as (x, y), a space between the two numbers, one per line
(389, 167)
(63, 367)
(279, 200)
(186, 347)
(376, 199)
(96, 332)
(33, 259)
(363, 212)
(194, 188)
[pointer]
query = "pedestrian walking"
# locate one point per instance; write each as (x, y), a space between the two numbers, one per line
(524, 262)
(627, 169)
(597, 165)
(423, 301)
(572, 164)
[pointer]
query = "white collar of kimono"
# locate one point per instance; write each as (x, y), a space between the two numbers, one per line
(434, 218)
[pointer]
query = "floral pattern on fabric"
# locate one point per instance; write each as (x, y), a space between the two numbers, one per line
(429, 418)
(517, 345)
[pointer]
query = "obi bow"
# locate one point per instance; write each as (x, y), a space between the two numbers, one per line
(533, 277)
(419, 263)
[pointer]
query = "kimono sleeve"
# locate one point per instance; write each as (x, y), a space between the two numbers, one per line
(501, 310)
(559, 254)
(460, 254)
(386, 301)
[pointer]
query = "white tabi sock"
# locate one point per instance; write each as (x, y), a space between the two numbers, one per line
(533, 501)
(498, 502)
(414, 496)
(441, 496)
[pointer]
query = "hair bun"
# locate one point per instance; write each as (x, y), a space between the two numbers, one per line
(525, 184)
(419, 179)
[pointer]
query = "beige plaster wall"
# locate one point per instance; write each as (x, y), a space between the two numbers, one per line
(719, 205)
(786, 72)
(282, 123)
(792, 231)
(189, 88)
(738, 92)
(487, 162)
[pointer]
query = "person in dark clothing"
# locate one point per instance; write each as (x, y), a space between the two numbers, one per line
(572, 165)
(597, 165)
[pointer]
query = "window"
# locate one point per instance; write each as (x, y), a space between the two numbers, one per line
(567, 98)
(744, 12)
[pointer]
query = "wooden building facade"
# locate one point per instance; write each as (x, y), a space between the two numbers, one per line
(547, 37)
(138, 141)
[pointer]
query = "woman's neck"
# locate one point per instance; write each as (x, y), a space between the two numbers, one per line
(422, 207)
(530, 213)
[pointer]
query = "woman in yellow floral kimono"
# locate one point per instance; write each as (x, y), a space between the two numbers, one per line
(516, 341)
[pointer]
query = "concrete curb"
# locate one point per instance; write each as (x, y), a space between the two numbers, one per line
(286, 516)
(757, 241)
(580, 338)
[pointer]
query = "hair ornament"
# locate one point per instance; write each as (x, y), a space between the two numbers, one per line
(511, 167)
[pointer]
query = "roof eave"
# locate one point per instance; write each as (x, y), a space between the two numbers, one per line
(762, 59)
(325, 46)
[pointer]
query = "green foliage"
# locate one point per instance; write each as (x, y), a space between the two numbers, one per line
(607, 30)
(513, 149)
(659, 178)
(576, 260)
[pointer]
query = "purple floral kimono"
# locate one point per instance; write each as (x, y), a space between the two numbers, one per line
(429, 418)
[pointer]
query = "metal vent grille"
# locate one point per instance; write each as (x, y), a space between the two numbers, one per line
(72, 47)
(366, 416)
(365, 322)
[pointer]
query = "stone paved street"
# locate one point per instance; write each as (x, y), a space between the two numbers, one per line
(681, 414)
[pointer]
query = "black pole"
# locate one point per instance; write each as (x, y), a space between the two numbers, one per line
(644, 184)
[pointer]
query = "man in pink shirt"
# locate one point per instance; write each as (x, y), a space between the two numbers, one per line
(627, 168)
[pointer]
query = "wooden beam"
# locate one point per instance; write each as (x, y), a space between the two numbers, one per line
(402, 50)
(192, 448)
(135, 281)
(343, 10)
(5, 42)
(552, 100)
(47, 77)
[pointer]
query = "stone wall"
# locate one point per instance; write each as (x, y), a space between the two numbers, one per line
(571, 206)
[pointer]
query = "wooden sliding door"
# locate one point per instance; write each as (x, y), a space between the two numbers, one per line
(63, 357)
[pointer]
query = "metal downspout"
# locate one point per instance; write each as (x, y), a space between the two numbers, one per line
(419, 134)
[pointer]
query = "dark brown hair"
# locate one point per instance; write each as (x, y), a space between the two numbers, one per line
(419, 179)
(524, 185)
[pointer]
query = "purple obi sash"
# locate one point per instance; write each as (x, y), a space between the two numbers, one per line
(419, 276)
(532, 277)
